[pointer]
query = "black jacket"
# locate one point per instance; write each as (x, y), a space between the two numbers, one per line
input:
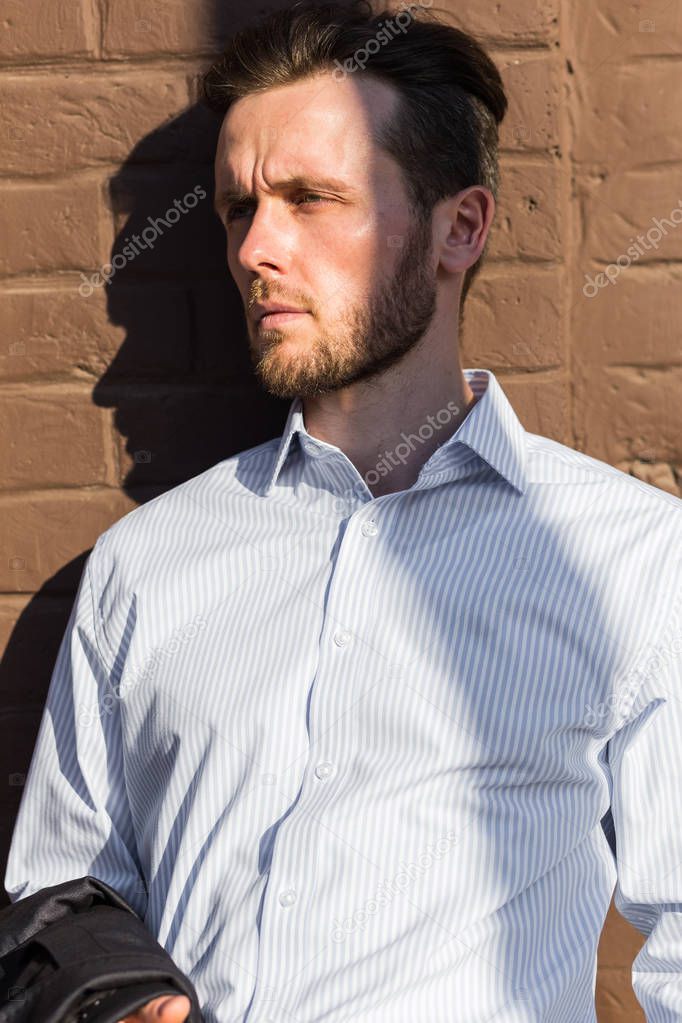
(78, 952)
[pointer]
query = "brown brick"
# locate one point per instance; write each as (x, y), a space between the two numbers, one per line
(527, 222)
(133, 27)
(658, 474)
(636, 320)
(633, 105)
(514, 21)
(60, 121)
(513, 320)
(45, 28)
(630, 413)
(158, 26)
(60, 333)
(44, 535)
(533, 85)
(53, 436)
(542, 403)
(52, 226)
(612, 32)
(630, 209)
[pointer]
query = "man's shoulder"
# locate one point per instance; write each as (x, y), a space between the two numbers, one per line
(550, 461)
(619, 536)
(200, 503)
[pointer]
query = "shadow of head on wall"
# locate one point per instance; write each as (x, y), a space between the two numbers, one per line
(181, 382)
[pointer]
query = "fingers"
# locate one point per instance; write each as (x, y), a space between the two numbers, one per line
(166, 1009)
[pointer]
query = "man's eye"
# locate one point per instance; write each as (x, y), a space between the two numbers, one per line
(232, 212)
(306, 195)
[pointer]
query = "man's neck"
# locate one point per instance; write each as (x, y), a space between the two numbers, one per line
(389, 434)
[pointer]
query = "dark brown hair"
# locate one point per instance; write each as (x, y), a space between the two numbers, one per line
(444, 135)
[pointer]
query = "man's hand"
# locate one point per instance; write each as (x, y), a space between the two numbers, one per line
(166, 1009)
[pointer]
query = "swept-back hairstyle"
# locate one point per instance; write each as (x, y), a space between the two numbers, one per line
(444, 132)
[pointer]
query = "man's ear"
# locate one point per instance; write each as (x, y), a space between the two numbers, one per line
(461, 225)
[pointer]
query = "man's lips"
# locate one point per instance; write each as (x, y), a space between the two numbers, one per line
(265, 308)
(280, 319)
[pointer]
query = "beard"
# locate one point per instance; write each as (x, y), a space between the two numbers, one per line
(367, 340)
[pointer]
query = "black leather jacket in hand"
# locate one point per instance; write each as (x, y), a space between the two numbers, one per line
(78, 953)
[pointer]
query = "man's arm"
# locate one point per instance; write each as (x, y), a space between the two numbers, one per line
(74, 817)
(645, 759)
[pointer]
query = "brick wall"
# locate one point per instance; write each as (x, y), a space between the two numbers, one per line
(110, 396)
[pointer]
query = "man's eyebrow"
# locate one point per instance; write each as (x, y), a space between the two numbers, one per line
(229, 195)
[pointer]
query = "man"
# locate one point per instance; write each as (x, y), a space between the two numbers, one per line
(349, 716)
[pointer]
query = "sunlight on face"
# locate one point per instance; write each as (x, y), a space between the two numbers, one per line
(317, 218)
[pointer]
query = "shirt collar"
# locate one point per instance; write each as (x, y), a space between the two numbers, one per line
(491, 429)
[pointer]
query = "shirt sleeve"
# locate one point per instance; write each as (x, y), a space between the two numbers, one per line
(645, 759)
(74, 817)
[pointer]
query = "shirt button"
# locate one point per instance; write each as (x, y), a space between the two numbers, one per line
(369, 528)
(342, 637)
(324, 770)
(288, 898)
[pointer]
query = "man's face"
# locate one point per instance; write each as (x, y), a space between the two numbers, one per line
(340, 244)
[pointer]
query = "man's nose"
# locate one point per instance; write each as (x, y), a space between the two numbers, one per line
(266, 241)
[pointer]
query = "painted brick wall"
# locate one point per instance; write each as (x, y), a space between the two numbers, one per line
(110, 396)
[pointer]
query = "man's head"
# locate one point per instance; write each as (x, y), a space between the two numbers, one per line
(355, 174)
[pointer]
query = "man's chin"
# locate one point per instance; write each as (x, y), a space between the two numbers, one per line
(291, 385)
(276, 375)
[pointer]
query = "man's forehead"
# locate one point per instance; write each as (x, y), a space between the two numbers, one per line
(271, 128)
(286, 158)
(315, 132)
(319, 110)
(286, 161)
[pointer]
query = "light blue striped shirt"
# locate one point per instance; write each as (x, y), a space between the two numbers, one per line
(349, 757)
